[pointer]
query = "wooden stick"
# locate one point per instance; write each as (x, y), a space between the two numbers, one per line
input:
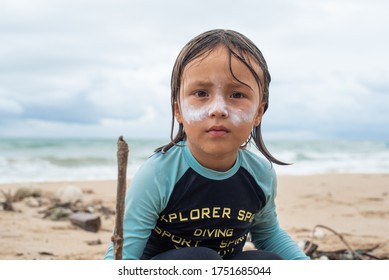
(117, 238)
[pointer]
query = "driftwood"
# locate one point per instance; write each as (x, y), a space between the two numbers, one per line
(86, 221)
(117, 238)
(312, 250)
(311, 244)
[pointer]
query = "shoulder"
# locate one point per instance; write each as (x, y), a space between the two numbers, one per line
(256, 164)
(261, 169)
(163, 168)
(155, 179)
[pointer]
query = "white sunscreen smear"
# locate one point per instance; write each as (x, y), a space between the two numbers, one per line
(218, 106)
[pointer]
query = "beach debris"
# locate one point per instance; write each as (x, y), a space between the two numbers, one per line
(33, 202)
(308, 247)
(105, 211)
(94, 242)
(43, 253)
(122, 157)
(82, 215)
(69, 194)
(7, 204)
(24, 192)
(345, 254)
(65, 204)
(311, 249)
(56, 213)
(86, 221)
(32, 197)
(319, 233)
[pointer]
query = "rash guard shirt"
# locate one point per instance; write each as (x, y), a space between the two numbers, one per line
(175, 202)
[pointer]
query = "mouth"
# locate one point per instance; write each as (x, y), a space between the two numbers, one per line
(217, 131)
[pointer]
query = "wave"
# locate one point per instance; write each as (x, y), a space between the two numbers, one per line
(31, 160)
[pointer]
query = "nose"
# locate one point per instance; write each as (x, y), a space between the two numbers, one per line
(218, 107)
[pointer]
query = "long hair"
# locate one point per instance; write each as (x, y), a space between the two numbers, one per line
(238, 46)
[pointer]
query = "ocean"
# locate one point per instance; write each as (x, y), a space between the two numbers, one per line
(39, 160)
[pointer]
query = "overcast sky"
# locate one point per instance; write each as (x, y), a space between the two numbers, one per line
(74, 68)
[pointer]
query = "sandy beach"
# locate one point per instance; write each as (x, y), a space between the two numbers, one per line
(355, 206)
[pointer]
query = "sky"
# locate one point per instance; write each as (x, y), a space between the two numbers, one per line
(78, 69)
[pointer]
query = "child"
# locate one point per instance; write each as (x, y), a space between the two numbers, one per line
(200, 196)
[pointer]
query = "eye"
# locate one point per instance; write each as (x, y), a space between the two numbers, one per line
(200, 93)
(237, 95)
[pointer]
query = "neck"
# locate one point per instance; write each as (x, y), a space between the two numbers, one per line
(218, 162)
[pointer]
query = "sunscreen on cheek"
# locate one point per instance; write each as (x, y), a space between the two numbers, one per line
(192, 113)
(238, 116)
(234, 115)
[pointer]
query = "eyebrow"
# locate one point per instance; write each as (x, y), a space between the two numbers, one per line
(200, 83)
(207, 83)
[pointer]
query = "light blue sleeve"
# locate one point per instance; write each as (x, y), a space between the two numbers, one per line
(145, 199)
(266, 232)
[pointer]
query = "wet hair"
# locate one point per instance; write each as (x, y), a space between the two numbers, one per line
(237, 46)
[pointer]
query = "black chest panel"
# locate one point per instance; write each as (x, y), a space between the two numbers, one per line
(216, 214)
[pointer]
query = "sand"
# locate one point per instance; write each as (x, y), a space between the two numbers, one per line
(355, 206)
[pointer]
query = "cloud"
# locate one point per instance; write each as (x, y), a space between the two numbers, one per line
(76, 67)
(74, 110)
(9, 109)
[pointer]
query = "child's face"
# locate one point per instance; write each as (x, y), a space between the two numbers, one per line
(218, 112)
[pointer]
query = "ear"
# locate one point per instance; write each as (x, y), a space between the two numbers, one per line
(177, 112)
(260, 112)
